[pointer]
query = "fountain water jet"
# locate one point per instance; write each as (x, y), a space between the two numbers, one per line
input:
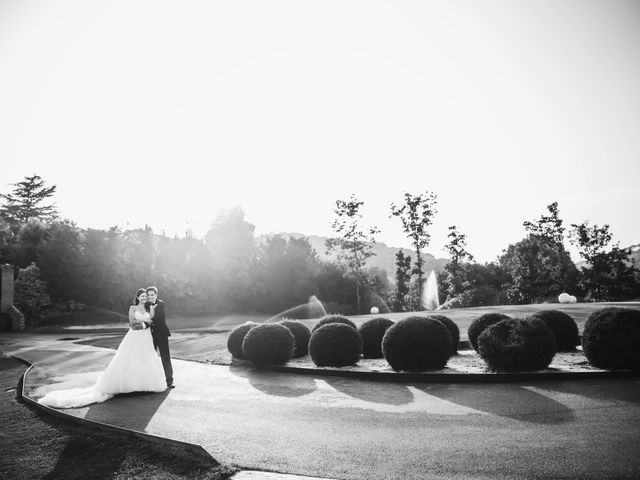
(430, 298)
(312, 309)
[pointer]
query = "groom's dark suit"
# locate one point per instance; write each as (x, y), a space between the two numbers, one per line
(160, 333)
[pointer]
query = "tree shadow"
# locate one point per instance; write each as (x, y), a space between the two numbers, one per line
(606, 389)
(376, 392)
(505, 400)
(274, 383)
(78, 459)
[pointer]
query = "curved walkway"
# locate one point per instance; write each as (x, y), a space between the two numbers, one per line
(348, 428)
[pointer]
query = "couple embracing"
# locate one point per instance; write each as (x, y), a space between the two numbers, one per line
(135, 367)
(147, 313)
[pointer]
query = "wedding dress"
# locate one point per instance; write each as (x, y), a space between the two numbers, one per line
(134, 368)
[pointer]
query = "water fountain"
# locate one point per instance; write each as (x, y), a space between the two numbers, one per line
(312, 309)
(430, 299)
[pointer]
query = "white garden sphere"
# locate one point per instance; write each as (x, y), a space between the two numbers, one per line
(375, 310)
(572, 299)
(564, 298)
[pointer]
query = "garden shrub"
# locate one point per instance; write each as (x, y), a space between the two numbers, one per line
(611, 338)
(454, 331)
(333, 319)
(268, 343)
(417, 343)
(517, 345)
(480, 323)
(335, 345)
(31, 295)
(564, 328)
(301, 335)
(372, 332)
(236, 337)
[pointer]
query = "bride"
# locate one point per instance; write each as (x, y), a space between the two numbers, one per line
(134, 368)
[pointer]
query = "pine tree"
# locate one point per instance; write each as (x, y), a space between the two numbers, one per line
(26, 201)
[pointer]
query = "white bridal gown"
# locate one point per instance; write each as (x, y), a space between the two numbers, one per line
(134, 368)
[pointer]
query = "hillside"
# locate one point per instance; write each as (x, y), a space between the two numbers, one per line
(384, 258)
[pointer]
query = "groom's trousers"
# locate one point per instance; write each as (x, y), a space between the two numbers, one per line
(162, 344)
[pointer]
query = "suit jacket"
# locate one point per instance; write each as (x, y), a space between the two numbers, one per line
(159, 327)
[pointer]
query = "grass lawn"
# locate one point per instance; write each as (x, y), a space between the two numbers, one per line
(36, 445)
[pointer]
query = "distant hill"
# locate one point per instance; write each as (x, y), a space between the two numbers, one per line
(384, 258)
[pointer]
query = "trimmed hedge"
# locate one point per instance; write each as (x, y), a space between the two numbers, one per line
(301, 335)
(517, 345)
(611, 338)
(564, 328)
(417, 343)
(268, 343)
(454, 331)
(372, 332)
(335, 345)
(480, 323)
(333, 319)
(236, 337)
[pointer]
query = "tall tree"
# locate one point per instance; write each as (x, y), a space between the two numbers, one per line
(549, 229)
(547, 226)
(353, 243)
(609, 275)
(416, 214)
(454, 271)
(403, 280)
(27, 201)
(232, 245)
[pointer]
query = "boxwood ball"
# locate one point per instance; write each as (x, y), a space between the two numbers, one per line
(417, 343)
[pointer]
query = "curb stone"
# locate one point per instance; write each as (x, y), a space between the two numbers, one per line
(175, 445)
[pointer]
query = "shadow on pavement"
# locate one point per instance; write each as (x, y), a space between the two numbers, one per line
(512, 401)
(624, 390)
(135, 410)
(278, 384)
(377, 392)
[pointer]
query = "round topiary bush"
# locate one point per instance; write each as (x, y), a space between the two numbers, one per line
(480, 323)
(372, 332)
(611, 338)
(517, 345)
(301, 335)
(454, 331)
(236, 337)
(417, 343)
(268, 343)
(333, 319)
(335, 345)
(563, 327)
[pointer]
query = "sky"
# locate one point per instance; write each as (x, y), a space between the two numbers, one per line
(164, 113)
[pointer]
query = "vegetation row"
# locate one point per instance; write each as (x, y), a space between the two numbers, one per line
(427, 342)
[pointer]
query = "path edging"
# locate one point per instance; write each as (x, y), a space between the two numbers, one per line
(176, 445)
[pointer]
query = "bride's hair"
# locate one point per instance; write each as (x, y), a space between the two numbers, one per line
(136, 300)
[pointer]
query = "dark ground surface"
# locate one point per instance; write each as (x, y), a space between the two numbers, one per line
(34, 445)
(348, 428)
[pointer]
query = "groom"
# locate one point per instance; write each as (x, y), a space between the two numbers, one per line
(160, 333)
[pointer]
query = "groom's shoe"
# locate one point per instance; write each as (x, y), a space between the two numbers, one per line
(171, 385)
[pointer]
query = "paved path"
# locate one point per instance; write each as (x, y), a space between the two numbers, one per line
(354, 429)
